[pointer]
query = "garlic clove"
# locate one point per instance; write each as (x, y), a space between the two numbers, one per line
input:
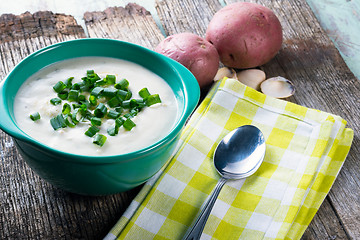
(252, 78)
(278, 87)
(224, 72)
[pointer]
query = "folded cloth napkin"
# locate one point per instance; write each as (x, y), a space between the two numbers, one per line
(305, 150)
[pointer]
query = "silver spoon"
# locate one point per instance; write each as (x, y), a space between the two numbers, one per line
(238, 155)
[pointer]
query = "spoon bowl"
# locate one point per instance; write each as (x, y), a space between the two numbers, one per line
(238, 155)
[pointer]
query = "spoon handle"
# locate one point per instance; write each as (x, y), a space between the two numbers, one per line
(198, 227)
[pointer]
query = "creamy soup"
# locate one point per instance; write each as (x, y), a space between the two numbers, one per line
(152, 123)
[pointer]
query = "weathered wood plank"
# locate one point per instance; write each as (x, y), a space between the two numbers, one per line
(132, 23)
(322, 81)
(29, 207)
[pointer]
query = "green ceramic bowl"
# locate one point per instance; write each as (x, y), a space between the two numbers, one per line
(98, 175)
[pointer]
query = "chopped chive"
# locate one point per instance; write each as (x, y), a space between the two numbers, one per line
(144, 93)
(73, 96)
(55, 101)
(119, 109)
(35, 116)
(112, 131)
(68, 82)
(81, 98)
(109, 92)
(128, 124)
(63, 95)
(122, 84)
(68, 121)
(97, 91)
(100, 111)
(100, 82)
(78, 115)
(92, 131)
(66, 109)
(99, 139)
(58, 122)
(75, 86)
(119, 121)
(114, 102)
(113, 114)
(110, 79)
(93, 100)
(95, 121)
(152, 99)
(59, 86)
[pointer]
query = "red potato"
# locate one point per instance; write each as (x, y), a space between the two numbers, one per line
(194, 52)
(246, 35)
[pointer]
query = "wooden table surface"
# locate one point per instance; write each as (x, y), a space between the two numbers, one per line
(32, 209)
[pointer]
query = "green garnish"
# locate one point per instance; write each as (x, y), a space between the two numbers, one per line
(128, 124)
(35, 116)
(95, 121)
(73, 96)
(92, 131)
(100, 110)
(55, 101)
(152, 99)
(59, 86)
(99, 139)
(66, 109)
(92, 99)
(144, 93)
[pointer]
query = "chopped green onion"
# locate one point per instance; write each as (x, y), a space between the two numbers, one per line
(92, 131)
(110, 79)
(99, 139)
(35, 116)
(128, 124)
(152, 99)
(68, 82)
(123, 95)
(95, 121)
(89, 72)
(58, 122)
(100, 82)
(55, 101)
(114, 102)
(119, 109)
(66, 109)
(73, 96)
(68, 121)
(122, 84)
(97, 91)
(59, 86)
(81, 98)
(109, 92)
(112, 131)
(113, 114)
(100, 111)
(63, 95)
(75, 86)
(120, 121)
(78, 115)
(93, 100)
(134, 112)
(144, 93)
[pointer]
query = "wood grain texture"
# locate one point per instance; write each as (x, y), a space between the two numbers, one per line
(29, 207)
(132, 23)
(322, 80)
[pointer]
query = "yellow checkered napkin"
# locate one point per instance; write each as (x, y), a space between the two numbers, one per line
(305, 150)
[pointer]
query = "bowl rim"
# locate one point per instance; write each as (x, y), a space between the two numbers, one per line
(178, 69)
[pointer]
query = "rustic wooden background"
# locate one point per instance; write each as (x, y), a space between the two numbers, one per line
(32, 209)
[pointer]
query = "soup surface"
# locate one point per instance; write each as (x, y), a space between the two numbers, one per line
(152, 123)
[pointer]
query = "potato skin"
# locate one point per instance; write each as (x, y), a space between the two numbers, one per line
(194, 52)
(246, 35)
